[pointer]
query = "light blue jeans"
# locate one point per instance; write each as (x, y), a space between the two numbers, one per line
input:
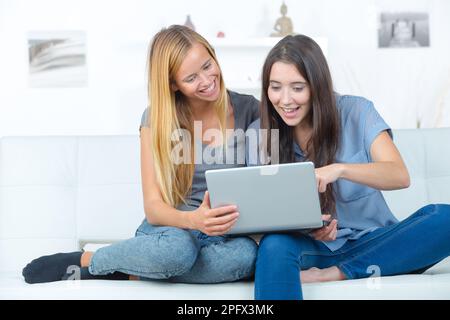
(179, 255)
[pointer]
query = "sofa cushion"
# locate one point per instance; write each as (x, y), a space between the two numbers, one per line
(434, 284)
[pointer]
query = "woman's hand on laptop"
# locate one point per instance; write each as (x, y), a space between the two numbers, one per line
(213, 222)
(326, 175)
(327, 232)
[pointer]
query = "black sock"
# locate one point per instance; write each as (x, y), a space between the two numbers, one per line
(50, 268)
(83, 274)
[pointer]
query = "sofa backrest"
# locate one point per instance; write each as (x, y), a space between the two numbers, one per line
(426, 154)
(56, 191)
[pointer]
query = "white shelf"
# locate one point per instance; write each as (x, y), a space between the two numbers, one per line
(261, 43)
(267, 42)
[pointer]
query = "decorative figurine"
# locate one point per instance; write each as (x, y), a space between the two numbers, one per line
(189, 23)
(283, 25)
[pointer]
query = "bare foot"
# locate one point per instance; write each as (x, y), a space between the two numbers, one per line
(85, 260)
(321, 275)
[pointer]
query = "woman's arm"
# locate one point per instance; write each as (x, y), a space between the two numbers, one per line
(156, 210)
(386, 172)
(210, 221)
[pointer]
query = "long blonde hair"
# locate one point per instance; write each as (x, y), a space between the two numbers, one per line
(170, 112)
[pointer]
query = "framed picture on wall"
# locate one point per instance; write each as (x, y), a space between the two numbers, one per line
(404, 30)
(57, 59)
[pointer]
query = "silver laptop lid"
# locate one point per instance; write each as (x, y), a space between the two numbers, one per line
(281, 197)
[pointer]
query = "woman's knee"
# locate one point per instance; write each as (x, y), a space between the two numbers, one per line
(240, 258)
(441, 213)
(247, 249)
(438, 211)
(173, 249)
(276, 245)
(443, 209)
(182, 250)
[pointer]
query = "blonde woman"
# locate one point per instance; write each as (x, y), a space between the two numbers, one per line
(191, 120)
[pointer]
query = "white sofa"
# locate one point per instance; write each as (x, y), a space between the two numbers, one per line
(57, 193)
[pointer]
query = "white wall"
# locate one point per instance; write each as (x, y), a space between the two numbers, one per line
(405, 84)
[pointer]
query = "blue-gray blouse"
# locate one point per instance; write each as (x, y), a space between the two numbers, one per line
(359, 208)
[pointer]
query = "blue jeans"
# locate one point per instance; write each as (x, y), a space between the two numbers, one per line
(410, 246)
(179, 255)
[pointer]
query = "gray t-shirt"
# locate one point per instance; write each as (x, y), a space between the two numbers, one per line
(246, 110)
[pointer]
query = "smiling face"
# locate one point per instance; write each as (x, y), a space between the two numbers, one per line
(298, 100)
(289, 93)
(198, 77)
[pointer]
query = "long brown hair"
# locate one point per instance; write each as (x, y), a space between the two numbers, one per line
(169, 110)
(305, 54)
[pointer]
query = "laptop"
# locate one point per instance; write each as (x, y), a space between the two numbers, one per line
(272, 198)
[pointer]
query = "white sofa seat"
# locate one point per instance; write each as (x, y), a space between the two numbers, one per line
(57, 193)
(434, 284)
